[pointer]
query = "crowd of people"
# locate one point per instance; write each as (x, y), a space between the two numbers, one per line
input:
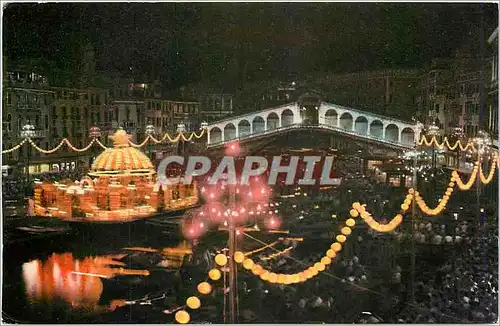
(457, 283)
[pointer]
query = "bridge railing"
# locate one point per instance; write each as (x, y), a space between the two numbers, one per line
(318, 126)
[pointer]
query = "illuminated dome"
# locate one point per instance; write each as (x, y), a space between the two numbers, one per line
(121, 159)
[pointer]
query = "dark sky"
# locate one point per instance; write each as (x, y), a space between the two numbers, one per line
(188, 42)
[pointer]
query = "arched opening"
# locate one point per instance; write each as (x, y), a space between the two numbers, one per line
(361, 125)
(331, 117)
(273, 121)
(229, 132)
(407, 136)
(215, 135)
(377, 129)
(346, 121)
(258, 124)
(243, 128)
(392, 133)
(286, 118)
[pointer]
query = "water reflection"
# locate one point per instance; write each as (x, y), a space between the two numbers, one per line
(78, 282)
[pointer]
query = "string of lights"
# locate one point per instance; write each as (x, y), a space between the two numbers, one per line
(486, 180)
(72, 147)
(423, 141)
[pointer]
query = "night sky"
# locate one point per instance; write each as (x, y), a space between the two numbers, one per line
(237, 42)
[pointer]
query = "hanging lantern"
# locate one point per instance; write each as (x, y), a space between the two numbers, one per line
(350, 222)
(248, 263)
(354, 213)
(273, 278)
(319, 267)
(336, 247)
(326, 261)
(265, 276)
(193, 303)
(346, 230)
(182, 317)
(330, 253)
(204, 288)
(341, 238)
(221, 259)
(239, 257)
(214, 274)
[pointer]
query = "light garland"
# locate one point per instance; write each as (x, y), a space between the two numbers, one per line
(15, 147)
(470, 183)
(305, 274)
(486, 180)
(204, 288)
(260, 249)
(423, 141)
(359, 210)
(96, 140)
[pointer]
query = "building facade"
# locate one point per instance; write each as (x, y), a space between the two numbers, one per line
(492, 99)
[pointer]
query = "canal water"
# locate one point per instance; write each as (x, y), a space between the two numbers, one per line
(86, 275)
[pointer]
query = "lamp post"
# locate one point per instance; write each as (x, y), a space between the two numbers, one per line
(28, 132)
(150, 130)
(94, 133)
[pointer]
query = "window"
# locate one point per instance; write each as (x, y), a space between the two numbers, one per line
(9, 98)
(46, 118)
(37, 121)
(436, 107)
(9, 122)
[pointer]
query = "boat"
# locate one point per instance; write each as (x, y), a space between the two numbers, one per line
(121, 187)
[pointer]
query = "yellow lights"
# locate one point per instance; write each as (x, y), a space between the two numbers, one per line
(350, 222)
(239, 257)
(336, 247)
(404, 207)
(221, 259)
(96, 140)
(319, 267)
(393, 224)
(488, 179)
(470, 183)
(423, 141)
(204, 288)
(182, 317)
(214, 274)
(248, 263)
(193, 303)
(330, 253)
(346, 230)
(326, 261)
(341, 238)
(354, 213)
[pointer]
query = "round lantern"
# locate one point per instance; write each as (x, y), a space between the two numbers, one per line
(204, 288)
(303, 276)
(239, 257)
(295, 278)
(182, 317)
(257, 269)
(273, 278)
(265, 276)
(282, 278)
(248, 263)
(336, 247)
(214, 274)
(193, 302)
(354, 213)
(341, 238)
(319, 267)
(326, 261)
(330, 253)
(356, 205)
(350, 222)
(221, 259)
(346, 230)
(404, 207)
